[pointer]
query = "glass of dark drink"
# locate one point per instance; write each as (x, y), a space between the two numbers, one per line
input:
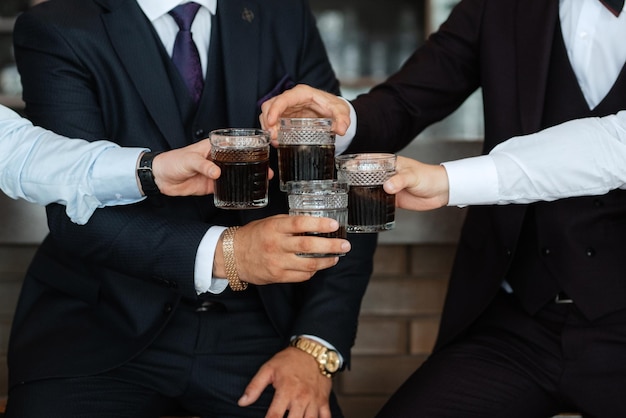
(306, 150)
(321, 198)
(370, 208)
(243, 156)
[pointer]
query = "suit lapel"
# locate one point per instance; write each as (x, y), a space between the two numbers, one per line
(132, 38)
(534, 34)
(240, 22)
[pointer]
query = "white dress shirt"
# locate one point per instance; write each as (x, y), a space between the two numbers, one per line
(157, 11)
(591, 152)
(42, 167)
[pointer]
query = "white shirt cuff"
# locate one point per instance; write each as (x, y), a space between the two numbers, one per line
(114, 176)
(472, 181)
(203, 270)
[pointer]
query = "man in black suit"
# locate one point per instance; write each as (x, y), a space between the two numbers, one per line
(534, 321)
(130, 314)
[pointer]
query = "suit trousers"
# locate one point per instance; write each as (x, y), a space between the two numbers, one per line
(512, 364)
(199, 365)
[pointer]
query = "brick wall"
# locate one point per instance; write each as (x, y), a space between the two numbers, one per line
(398, 323)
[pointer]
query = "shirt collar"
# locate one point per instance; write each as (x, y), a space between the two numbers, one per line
(154, 9)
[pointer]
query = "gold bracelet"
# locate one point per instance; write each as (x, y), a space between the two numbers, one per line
(230, 265)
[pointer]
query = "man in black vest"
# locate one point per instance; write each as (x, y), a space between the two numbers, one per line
(534, 321)
(131, 314)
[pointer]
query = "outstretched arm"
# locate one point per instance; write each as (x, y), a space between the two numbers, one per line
(42, 167)
(582, 157)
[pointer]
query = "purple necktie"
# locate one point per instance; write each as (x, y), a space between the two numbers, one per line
(615, 6)
(185, 55)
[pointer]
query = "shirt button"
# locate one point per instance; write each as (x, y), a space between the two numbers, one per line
(590, 252)
(167, 308)
(545, 251)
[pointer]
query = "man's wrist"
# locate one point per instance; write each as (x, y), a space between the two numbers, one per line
(230, 261)
(472, 181)
(145, 175)
(327, 358)
(114, 176)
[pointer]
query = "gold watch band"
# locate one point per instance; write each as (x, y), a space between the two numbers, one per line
(230, 264)
(327, 359)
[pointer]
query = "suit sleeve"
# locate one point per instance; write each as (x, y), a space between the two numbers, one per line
(431, 84)
(62, 95)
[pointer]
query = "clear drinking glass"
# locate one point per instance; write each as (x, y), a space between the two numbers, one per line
(370, 208)
(243, 156)
(320, 198)
(306, 150)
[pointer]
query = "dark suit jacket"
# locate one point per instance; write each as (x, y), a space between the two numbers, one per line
(96, 295)
(503, 47)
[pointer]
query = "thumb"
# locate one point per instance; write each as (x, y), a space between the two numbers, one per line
(395, 184)
(201, 165)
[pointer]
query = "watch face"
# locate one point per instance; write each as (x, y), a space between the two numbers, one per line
(332, 361)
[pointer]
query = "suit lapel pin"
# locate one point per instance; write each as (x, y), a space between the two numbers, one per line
(247, 15)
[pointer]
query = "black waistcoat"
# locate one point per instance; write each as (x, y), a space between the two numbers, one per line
(575, 245)
(211, 113)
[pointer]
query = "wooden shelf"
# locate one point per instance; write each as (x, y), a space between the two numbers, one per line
(361, 82)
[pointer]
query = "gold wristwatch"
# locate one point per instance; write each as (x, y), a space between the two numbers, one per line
(327, 359)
